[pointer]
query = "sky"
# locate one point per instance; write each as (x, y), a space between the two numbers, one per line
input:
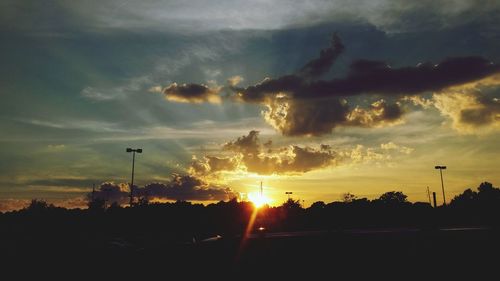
(318, 98)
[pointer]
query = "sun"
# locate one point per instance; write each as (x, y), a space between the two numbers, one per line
(258, 199)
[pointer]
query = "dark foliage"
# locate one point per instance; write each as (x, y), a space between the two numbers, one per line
(174, 233)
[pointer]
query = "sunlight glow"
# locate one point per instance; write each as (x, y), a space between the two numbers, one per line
(258, 200)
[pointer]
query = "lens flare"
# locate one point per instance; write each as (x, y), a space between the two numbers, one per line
(258, 199)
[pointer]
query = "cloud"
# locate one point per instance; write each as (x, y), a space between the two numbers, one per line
(92, 93)
(376, 77)
(10, 204)
(253, 156)
(235, 80)
(317, 117)
(301, 104)
(305, 117)
(385, 154)
(470, 112)
(298, 104)
(249, 144)
(196, 15)
(472, 107)
(196, 93)
(392, 146)
(113, 192)
(317, 67)
(361, 154)
(377, 115)
(289, 160)
(62, 183)
(70, 203)
(156, 89)
(181, 187)
(56, 147)
(188, 187)
(131, 86)
(213, 164)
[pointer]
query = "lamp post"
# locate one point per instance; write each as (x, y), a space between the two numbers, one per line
(288, 193)
(138, 150)
(441, 168)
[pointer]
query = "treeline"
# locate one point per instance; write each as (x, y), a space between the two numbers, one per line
(182, 221)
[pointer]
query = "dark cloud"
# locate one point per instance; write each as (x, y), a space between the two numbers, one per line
(299, 105)
(112, 192)
(186, 187)
(317, 67)
(196, 93)
(249, 144)
(181, 187)
(316, 117)
(307, 159)
(270, 88)
(487, 112)
(62, 182)
(375, 77)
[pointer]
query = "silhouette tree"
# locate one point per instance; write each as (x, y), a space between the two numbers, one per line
(143, 201)
(347, 197)
(486, 187)
(393, 198)
(37, 205)
(488, 196)
(291, 204)
(319, 205)
(115, 205)
(97, 204)
(467, 198)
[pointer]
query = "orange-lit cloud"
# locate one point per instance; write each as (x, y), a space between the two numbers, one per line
(253, 156)
(378, 114)
(7, 205)
(474, 108)
(250, 155)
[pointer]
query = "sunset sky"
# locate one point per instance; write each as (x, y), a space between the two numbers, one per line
(318, 98)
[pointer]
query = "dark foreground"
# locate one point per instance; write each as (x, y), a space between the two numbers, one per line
(403, 254)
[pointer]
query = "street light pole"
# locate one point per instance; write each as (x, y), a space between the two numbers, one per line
(138, 150)
(441, 168)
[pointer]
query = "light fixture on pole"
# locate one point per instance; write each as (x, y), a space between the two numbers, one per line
(441, 168)
(288, 193)
(138, 150)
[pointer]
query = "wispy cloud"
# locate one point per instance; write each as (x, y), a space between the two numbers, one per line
(197, 15)
(86, 125)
